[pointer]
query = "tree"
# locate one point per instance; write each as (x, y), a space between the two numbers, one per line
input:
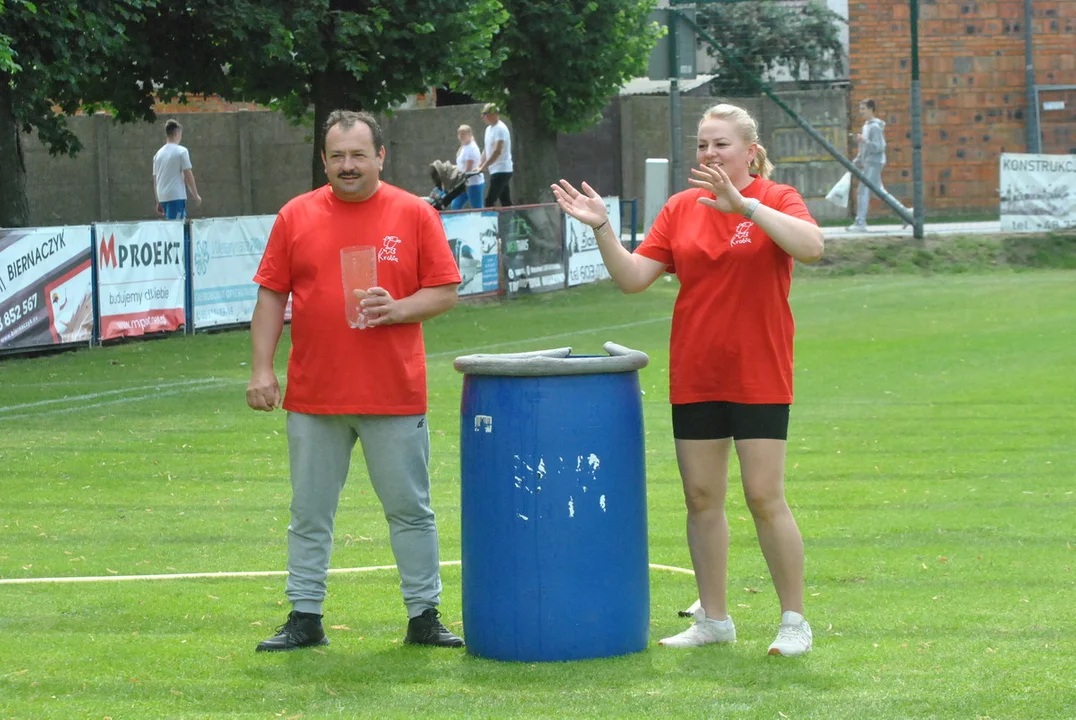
(768, 36)
(564, 60)
(369, 54)
(56, 57)
(46, 53)
(297, 55)
(7, 56)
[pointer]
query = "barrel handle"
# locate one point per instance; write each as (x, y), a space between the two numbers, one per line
(557, 361)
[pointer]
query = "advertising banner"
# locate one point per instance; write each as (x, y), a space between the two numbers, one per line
(473, 239)
(533, 249)
(1038, 192)
(226, 253)
(141, 277)
(584, 260)
(46, 290)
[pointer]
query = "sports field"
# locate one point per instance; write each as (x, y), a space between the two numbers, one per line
(932, 458)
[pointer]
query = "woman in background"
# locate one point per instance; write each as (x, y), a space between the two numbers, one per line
(468, 158)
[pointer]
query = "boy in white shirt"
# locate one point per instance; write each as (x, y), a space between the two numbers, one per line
(172, 175)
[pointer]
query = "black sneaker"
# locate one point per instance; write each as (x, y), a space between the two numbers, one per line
(301, 630)
(426, 629)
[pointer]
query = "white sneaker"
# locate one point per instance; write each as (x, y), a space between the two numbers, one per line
(705, 631)
(794, 637)
(856, 227)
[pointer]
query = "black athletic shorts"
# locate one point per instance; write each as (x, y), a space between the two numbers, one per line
(717, 420)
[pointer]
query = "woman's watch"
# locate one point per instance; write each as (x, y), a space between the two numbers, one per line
(750, 206)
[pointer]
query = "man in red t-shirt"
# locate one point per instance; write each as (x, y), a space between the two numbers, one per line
(354, 378)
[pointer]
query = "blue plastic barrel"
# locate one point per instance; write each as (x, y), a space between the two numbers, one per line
(553, 484)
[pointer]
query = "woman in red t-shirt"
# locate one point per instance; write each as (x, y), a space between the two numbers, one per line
(731, 240)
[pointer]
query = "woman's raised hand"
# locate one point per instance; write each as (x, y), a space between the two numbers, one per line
(727, 198)
(586, 206)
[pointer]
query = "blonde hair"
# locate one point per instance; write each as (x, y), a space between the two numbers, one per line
(465, 128)
(748, 128)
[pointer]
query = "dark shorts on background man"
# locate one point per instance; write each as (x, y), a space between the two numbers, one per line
(719, 419)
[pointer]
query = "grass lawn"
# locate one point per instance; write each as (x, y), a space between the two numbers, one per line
(931, 466)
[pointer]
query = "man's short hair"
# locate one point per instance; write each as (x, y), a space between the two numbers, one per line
(490, 109)
(171, 128)
(348, 119)
(870, 104)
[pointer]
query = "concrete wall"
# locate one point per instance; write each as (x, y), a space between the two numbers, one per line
(252, 162)
(244, 163)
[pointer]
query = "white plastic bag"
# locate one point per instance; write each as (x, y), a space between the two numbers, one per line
(838, 194)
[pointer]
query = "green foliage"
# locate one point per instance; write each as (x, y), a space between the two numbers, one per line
(372, 58)
(64, 49)
(768, 35)
(124, 54)
(7, 55)
(121, 55)
(569, 56)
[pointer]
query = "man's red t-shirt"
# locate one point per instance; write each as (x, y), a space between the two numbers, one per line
(335, 369)
(732, 326)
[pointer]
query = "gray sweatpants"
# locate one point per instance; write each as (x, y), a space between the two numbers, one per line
(397, 453)
(863, 198)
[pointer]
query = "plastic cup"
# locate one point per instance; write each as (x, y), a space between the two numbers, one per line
(358, 268)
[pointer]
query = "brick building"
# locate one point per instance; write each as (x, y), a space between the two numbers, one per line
(974, 89)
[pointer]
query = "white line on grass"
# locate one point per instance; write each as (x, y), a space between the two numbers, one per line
(247, 574)
(557, 336)
(120, 401)
(103, 393)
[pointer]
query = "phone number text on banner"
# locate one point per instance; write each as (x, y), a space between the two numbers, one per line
(45, 287)
(585, 263)
(226, 253)
(141, 278)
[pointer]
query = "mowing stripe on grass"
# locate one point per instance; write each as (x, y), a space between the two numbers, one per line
(240, 574)
(212, 383)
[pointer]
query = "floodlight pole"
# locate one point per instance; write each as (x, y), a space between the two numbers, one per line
(676, 182)
(917, 127)
(1034, 136)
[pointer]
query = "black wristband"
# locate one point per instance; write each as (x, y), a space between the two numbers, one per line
(601, 226)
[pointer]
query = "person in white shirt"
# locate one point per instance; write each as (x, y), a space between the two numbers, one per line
(468, 158)
(497, 156)
(172, 175)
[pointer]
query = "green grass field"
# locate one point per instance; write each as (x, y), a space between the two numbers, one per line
(930, 465)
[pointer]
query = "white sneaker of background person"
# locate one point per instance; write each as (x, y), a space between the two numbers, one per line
(705, 631)
(794, 636)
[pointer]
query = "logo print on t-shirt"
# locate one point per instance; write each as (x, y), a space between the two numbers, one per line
(387, 253)
(742, 236)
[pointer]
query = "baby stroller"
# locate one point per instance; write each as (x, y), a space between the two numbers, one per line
(448, 183)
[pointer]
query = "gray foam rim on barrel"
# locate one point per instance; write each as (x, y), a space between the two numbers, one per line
(558, 361)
